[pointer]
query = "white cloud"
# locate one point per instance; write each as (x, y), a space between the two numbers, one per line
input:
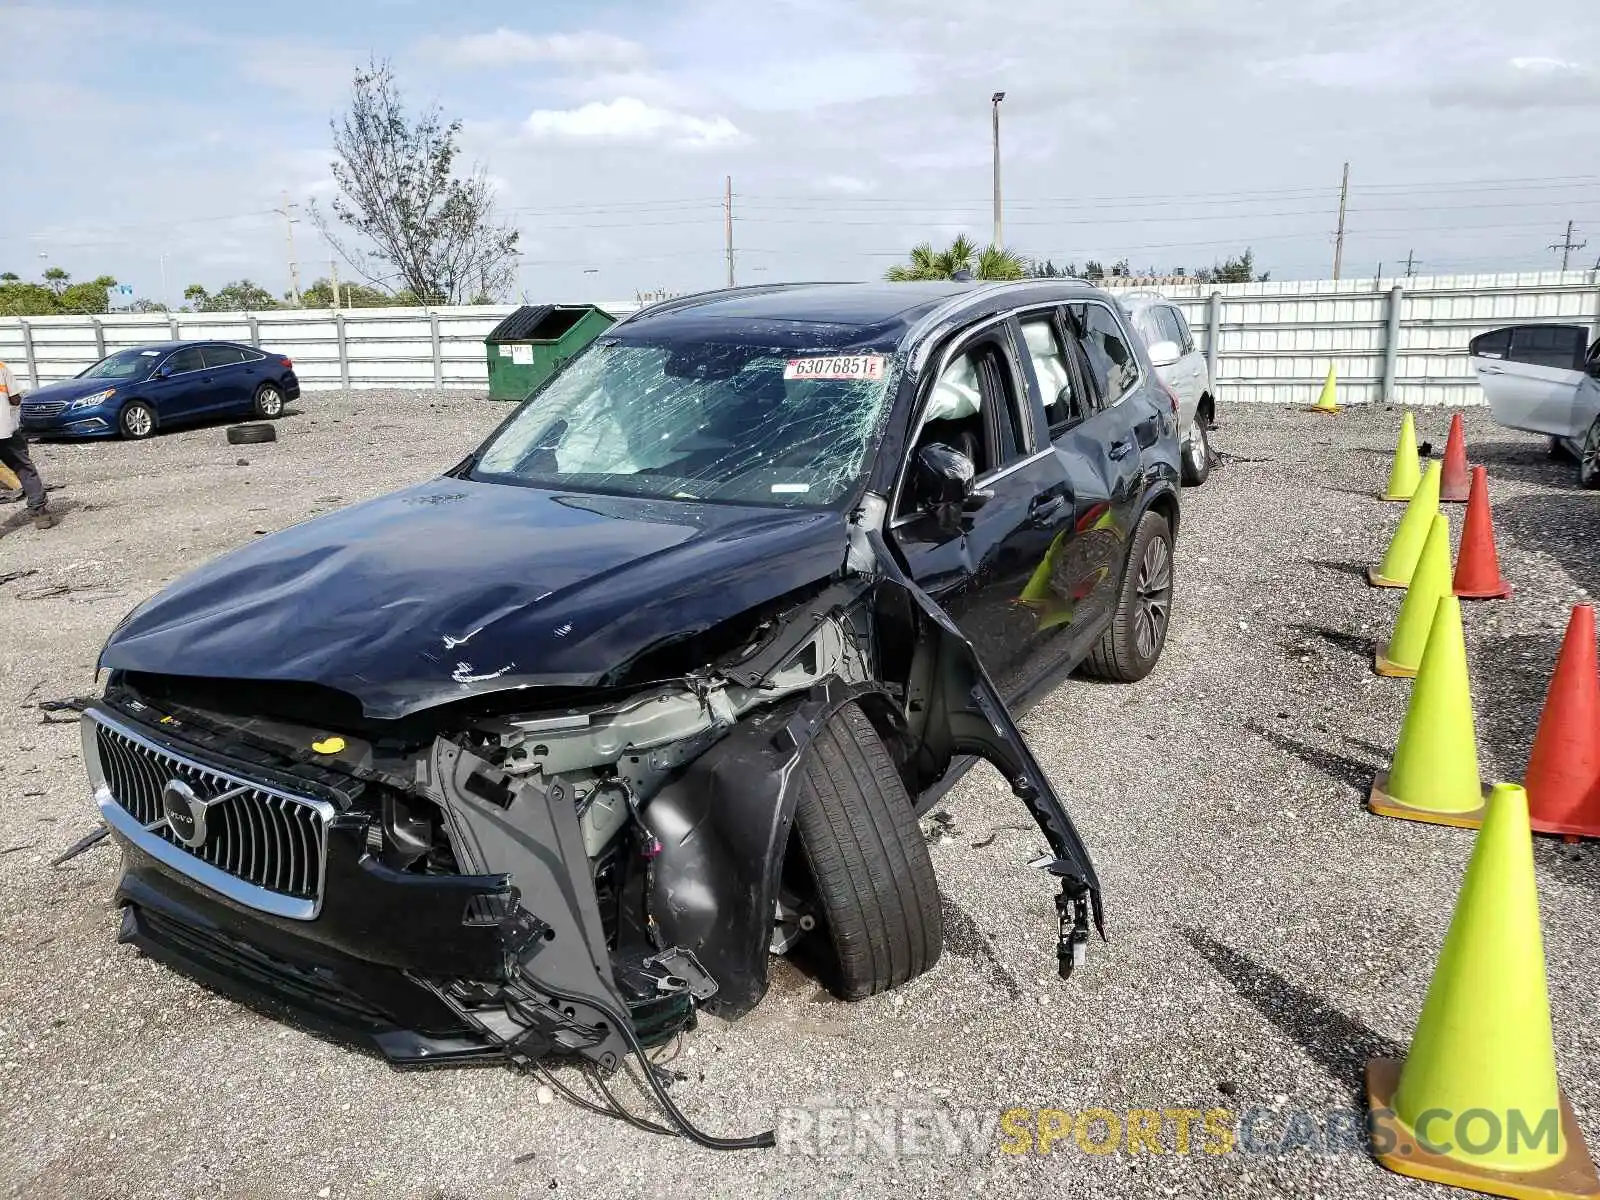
(627, 119)
(1526, 81)
(509, 47)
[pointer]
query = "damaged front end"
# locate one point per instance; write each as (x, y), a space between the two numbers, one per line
(523, 880)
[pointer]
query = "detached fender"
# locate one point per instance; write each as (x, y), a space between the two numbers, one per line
(724, 827)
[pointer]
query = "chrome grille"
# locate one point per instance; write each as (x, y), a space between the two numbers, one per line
(263, 847)
(45, 408)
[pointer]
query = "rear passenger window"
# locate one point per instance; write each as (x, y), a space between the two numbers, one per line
(1062, 405)
(1110, 360)
(1558, 346)
(1177, 328)
(222, 356)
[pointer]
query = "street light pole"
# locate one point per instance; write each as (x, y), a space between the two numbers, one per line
(998, 228)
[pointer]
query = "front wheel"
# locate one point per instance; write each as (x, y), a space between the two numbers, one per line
(1132, 643)
(1197, 455)
(269, 402)
(137, 420)
(880, 923)
(1589, 457)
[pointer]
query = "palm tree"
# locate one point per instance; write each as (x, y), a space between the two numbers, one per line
(961, 255)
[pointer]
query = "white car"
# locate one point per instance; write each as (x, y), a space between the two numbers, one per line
(1541, 378)
(1183, 368)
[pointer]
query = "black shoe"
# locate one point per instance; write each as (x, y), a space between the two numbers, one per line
(43, 518)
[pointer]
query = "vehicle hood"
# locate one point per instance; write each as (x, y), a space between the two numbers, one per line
(454, 588)
(71, 389)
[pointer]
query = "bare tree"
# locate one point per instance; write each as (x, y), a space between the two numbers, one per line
(415, 222)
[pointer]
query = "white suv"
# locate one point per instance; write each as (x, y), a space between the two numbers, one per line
(1182, 368)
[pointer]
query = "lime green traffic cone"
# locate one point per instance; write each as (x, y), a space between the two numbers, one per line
(1434, 775)
(1328, 401)
(1432, 579)
(1401, 557)
(1477, 1103)
(1406, 473)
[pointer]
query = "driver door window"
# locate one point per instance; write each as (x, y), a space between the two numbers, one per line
(974, 407)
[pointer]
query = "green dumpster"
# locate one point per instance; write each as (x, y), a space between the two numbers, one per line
(532, 343)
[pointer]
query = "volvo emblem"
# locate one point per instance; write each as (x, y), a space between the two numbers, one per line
(185, 812)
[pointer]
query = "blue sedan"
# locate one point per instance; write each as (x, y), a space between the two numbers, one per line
(132, 393)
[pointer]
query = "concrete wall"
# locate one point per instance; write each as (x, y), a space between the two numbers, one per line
(1399, 339)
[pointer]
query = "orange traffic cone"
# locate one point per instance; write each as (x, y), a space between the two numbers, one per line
(1564, 769)
(1453, 485)
(1478, 565)
(1477, 1103)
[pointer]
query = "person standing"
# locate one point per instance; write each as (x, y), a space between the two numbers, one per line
(14, 450)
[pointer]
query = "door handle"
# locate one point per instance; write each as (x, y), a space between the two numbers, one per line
(1120, 450)
(1046, 511)
(1490, 371)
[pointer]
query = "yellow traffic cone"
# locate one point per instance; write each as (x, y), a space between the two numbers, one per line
(7, 480)
(1476, 1104)
(1431, 580)
(1405, 474)
(1401, 557)
(1328, 402)
(1434, 775)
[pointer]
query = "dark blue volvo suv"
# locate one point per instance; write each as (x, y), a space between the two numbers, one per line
(134, 392)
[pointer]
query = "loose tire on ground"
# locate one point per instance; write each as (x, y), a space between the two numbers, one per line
(1130, 648)
(877, 902)
(241, 435)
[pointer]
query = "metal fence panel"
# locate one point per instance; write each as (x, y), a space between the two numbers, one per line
(1274, 342)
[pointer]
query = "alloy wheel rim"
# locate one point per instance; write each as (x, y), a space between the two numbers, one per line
(137, 421)
(1153, 598)
(271, 402)
(1591, 450)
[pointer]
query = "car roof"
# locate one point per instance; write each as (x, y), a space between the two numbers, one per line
(853, 313)
(165, 347)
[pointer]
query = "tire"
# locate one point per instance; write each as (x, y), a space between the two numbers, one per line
(243, 435)
(1555, 447)
(1197, 456)
(879, 923)
(268, 403)
(1589, 457)
(136, 421)
(1131, 644)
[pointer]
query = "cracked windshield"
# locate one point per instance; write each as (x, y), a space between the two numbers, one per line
(699, 421)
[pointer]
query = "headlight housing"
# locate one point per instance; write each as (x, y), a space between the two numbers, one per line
(91, 401)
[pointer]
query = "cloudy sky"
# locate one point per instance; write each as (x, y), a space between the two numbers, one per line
(1172, 132)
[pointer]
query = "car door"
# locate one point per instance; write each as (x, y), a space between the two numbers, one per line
(173, 391)
(1187, 375)
(1122, 424)
(226, 380)
(1073, 588)
(1532, 376)
(979, 399)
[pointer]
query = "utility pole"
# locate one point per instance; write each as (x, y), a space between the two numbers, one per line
(999, 229)
(1566, 245)
(1338, 245)
(333, 270)
(294, 267)
(165, 298)
(727, 222)
(1411, 263)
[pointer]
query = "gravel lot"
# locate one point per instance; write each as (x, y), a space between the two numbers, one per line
(1266, 934)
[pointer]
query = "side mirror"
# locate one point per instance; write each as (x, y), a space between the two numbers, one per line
(1164, 354)
(944, 475)
(945, 481)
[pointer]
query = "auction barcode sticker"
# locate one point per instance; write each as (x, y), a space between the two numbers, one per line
(837, 366)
